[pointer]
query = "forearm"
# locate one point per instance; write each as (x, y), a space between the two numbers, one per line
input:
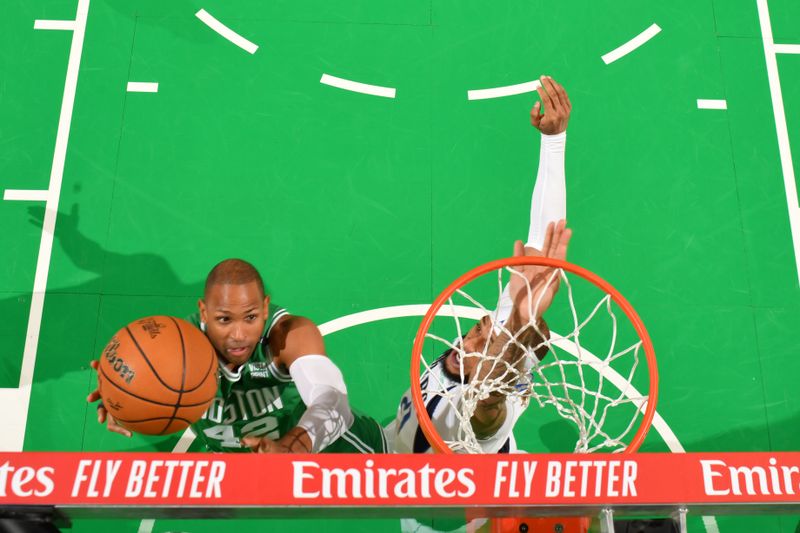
(507, 355)
(489, 416)
(326, 419)
(549, 199)
(328, 415)
(504, 369)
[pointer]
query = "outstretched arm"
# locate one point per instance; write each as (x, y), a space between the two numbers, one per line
(549, 199)
(297, 343)
(531, 291)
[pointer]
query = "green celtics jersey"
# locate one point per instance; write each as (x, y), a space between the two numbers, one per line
(259, 398)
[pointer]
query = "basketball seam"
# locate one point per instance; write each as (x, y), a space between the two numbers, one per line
(126, 391)
(211, 367)
(147, 360)
(183, 375)
(152, 419)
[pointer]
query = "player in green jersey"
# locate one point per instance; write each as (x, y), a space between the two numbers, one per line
(278, 391)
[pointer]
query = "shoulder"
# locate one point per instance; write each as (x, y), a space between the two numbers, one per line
(277, 314)
(287, 324)
(295, 336)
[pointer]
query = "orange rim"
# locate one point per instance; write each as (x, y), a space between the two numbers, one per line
(425, 422)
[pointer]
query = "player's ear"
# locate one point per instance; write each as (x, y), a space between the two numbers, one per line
(266, 305)
(201, 305)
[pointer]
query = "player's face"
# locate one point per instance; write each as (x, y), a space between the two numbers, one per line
(234, 317)
(474, 342)
(475, 339)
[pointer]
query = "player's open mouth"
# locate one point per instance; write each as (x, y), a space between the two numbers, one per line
(237, 351)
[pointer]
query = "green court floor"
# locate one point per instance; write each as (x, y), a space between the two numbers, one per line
(349, 202)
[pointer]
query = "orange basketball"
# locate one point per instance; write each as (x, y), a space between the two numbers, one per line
(157, 375)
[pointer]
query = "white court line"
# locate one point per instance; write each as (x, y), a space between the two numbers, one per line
(781, 130)
(54, 25)
(358, 87)
(226, 32)
(712, 104)
(631, 45)
(13, 419)
(786, 48)
(508, 90)
(142, 87)
(26, 195)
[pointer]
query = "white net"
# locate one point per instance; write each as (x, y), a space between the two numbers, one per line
(591, 369)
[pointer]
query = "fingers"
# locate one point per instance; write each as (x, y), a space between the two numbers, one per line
(122, 431)
(565, 98)
(547, 98)
(557, 107)
(558, 228)
(556, 240)
(519, 249)
(548, 239)
(536, 117)
(256, 444)
(562, 95)
(95, 394)
(558, 231)
(552, 90)
(114, 427)
(560, 241)
(562, 249)
(558, 92)
(111, 424)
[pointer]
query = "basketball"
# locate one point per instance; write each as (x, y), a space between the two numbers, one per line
(157, 375)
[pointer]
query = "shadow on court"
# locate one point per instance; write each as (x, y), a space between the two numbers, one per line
(76, 323)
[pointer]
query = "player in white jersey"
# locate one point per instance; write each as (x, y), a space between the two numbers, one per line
(495, 417)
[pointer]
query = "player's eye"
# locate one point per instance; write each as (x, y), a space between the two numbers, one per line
(251, 317)
(223, 319)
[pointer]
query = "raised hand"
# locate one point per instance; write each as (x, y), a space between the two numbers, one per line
(557, 107)
(543, 284)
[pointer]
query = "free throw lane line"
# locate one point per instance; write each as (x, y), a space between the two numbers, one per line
(26, 195)
(68, 25)
(712, 104)
(142, 87)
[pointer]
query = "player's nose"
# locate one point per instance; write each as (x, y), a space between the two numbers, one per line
(237, 332)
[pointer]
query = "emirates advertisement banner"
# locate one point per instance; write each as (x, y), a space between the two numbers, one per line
(218, 480)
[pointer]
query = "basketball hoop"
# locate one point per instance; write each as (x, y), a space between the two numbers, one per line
(598, 357)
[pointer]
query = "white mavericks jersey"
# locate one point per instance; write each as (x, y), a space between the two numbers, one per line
(405, 435)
